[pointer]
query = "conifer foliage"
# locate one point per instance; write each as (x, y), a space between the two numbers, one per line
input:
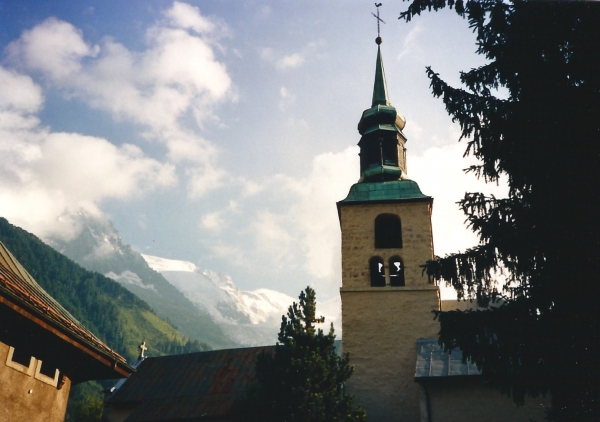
(303, 380)
(542, 136)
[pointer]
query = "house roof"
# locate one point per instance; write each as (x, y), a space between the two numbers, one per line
(433, 362)
(23, 295)
(205, 385)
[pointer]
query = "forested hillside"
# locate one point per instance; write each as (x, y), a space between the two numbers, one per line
(98, 247)
(111, 312)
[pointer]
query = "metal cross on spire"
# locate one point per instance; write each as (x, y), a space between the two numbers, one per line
(378, 40)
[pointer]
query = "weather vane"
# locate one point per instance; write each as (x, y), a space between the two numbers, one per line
(378, 39)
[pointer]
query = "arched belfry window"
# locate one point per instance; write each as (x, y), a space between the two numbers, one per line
(388, 231)
(377, 272)
(396, 271)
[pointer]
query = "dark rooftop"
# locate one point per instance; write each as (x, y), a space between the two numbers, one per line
(205, 385)
(433, 362)
(20, 293)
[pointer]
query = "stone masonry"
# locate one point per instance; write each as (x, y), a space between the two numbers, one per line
(381, 325)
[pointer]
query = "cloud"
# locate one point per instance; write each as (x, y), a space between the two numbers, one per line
(55, 48)
(178, 67)
(183, 15)
(409, 43)
(286, 98)
(19, 92)
(315, 214)
(291, 61)
(214, 221)
(205, 179)
(296, 230)
(46, 174)
(78, 166)
(438, 171)
(176, 76)
(266, 53)
(273, 237)
(128, 277)
(287, 61)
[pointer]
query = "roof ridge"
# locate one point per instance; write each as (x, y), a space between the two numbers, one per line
(15, 275)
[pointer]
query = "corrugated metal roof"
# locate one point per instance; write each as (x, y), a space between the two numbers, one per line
(20, 288)
(203, 385)
(432, 361)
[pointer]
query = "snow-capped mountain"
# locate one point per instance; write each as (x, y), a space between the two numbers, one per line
(203, 304)
(249, 317)
(98, 247)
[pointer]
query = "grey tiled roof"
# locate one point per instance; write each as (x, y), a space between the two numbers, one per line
(433, 362)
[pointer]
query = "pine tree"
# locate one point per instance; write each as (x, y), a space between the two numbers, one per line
(303, 380)
(542, 136)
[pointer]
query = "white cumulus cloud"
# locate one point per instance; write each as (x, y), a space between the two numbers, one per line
(45, 175)
(183, 15)
(290, 61)
(55, 48)
(287, 61)
(176, 76)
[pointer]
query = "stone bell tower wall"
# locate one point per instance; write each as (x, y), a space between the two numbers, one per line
(358, 240)
(381, 325)
(380, 331)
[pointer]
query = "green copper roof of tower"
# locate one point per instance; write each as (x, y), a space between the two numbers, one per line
(385, 191)
(382, 115)
(382, 177)
(380, 93)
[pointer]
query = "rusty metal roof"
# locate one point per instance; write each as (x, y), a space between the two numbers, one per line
(20, 292)
(205, 385)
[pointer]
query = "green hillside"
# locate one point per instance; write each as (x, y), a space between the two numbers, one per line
(111, 312)
(167, 302)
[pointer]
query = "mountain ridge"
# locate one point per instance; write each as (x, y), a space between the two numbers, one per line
(96, 301)
(98, 247)
(204, 304)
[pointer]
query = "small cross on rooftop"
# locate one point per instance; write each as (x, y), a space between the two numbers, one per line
(142, 348)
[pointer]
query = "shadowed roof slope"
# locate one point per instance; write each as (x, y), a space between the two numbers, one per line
(433, 362)
(194, 386)
(35, 317)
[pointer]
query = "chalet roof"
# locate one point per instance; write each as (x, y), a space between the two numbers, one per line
(433, 362)
(188, 387)
(22, 294)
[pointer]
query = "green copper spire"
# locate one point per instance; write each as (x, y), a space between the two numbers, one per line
(382, 151)
(380, 93)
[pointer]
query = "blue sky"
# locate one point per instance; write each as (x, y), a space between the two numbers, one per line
(220, 132)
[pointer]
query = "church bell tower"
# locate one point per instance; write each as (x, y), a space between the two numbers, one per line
(386, 236)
